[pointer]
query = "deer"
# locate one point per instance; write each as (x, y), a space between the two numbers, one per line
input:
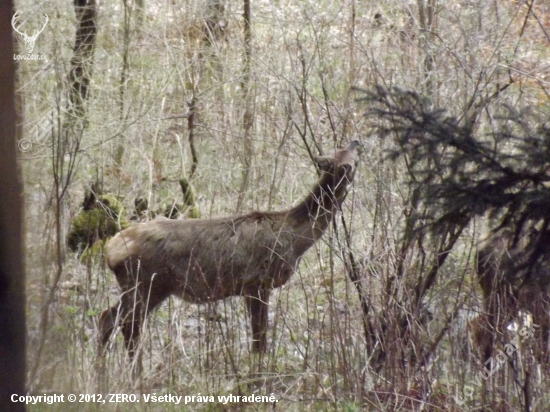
(513, 288)
(206, 260)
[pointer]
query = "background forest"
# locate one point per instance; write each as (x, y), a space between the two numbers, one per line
(234, 99)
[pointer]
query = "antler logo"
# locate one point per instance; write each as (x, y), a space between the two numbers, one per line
(29, 40)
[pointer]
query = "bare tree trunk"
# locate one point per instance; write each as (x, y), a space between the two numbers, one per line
(427, 20)
(248, 115)
(191, 130)
(66, 146)
(12, 274)
(125, 55)
(140, 12)
(82, 61)
(124, 76)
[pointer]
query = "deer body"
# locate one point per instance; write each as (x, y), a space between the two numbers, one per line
(204, 260)
(510, 291)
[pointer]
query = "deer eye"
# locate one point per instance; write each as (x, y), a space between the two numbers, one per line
(324, 163)
(345, 169)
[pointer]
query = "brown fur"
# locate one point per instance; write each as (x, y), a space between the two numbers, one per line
(508, 291)
(206, 260)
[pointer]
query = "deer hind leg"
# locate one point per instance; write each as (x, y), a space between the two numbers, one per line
(484, 336)
(257, 305)
(500, 308)
(541, 318)
(545, 331)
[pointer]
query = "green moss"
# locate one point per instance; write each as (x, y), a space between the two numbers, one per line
(194, 212)
(188, 208)
(189, 200)
(94, 253)
(189, 197)
(105, 219)
(111, 203)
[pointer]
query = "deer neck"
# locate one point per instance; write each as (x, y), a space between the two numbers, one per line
(311, 217)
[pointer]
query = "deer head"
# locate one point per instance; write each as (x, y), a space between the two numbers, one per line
(29, 40)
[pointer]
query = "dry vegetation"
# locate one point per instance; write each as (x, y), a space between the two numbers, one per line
(162, 87)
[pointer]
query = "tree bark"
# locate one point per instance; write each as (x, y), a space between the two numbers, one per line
(12, 274)
(82, 61)
(248, 115)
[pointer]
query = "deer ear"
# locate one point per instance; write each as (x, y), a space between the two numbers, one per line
(323, 162)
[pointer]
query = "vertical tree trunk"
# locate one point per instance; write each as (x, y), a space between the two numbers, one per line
(66, 145)
(191, 130)
(125, 55)
(12, 275)
(123, 83)
(427, 21)
(83, 53)
(248, 115)
(140, 12)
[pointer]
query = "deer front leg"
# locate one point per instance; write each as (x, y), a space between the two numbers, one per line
(257, 305)
(108, 321)
(131, 321)
(136, 309)
(131, 330)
